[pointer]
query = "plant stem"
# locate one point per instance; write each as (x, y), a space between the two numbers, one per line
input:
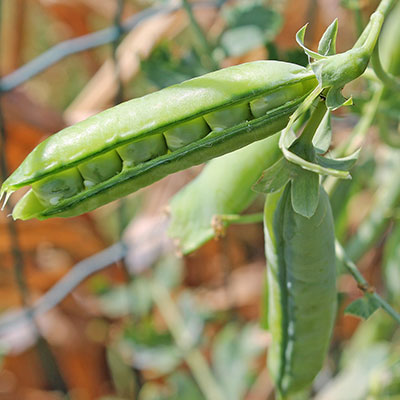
(358, 17)
(47, 359)
(193, 357)
(206, 49)
(241, 219)
(313, 123)
(361, 129)
(114, 46)
(370, 34)
(388, 79)
(363, 284)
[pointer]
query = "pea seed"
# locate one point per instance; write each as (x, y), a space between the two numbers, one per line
(226, 118)
(186, 133)
(100, 168)
(60, 186)
(142, 150)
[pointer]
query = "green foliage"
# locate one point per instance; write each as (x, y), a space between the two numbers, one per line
(249, 25)
(234, 351)
(164, 69)
(363, 307)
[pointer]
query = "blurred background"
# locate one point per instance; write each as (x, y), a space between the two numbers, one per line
(132, 319)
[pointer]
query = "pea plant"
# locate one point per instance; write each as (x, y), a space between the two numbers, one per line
(266, 127)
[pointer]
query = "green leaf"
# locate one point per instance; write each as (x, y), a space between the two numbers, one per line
(264, 305)
(335, 99)
(327, 44)
(363, 307)
(183, 387)
(164, 69)
(222, 188)
(193, 316)
(274, 177)
(305, 192)
(340, 164)
(391, 269)
(123, 300)
(122, 374)
(323, 135)
(169, 272)
(145, 348)
(300, 40)
(242, 39)
(233, 354)
(178, 386)
(249, 26)
(254, 14)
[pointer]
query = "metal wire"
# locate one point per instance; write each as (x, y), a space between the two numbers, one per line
(39, 64)
(83, 43)
(64, 286)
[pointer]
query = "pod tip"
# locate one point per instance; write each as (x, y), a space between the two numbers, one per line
(7, 195)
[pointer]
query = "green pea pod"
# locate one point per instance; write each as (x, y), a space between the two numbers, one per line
(302, 289)
(154, 136)
(387, 198)
(391, 267)
(223, 187)
(389, 42)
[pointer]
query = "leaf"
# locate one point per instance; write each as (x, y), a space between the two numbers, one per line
(391, 270)
(122, 375)
(161, 360)
(305, 193)
(300, 40)
(147, 349)
(264, 305)
(162, 68)
(133, 299)
(323, 135)
(184, 387)
(242, 39)
(223, 187)
(340, 164)
(335, 99)
(353, 380)
(192, 315)
(274, 177)
(233, 354)
(169, 272)
(363, 307)
(327, 44)
(254, 14)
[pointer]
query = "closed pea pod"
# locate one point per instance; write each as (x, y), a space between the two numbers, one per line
(155, 135)
(302, 289)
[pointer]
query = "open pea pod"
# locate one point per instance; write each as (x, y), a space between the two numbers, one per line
(138, 142)
(223, 187)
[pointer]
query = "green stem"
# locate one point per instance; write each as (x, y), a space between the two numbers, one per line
(352, 268)
(385, 6)
(387, 78)
(287, 139)
(371, 32)
(389, 138)
(313, 123)
(362, 127)
(206, 49)
(359, 19)
(193, 357)
(221, 222)
(241, 219)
